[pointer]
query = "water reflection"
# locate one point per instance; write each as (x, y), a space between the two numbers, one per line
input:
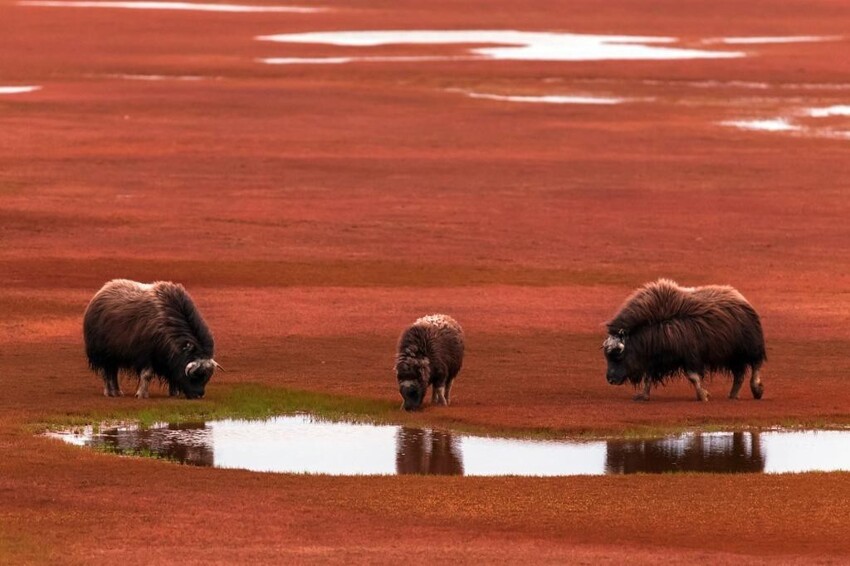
(421, 451)
(736, 452)
(303, 444)
(189, 443)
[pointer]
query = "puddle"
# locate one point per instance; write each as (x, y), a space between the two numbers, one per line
(186, 6)
(837, 110)
(774, 39)
(155, 78)
(771, 125)
(18, 89)
(341, 60)
(302, 444)
(821, 127)
(549, 99)
(515, 45)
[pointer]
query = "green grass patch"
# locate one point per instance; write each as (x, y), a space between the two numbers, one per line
(250, 402)
(107, 448)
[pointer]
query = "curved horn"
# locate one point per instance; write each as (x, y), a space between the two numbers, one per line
(218, 365)
(614, 344)
(191, 366)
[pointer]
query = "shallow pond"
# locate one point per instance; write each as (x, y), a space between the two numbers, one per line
(303, 444)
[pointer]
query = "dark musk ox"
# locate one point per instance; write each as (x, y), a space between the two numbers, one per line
(151, 329)
(664, 330)
(430, 352)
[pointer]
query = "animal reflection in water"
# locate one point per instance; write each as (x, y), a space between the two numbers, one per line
(738, 452)
(421, 451)
(188, 443)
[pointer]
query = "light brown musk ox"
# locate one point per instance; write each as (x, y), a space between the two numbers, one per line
(664, 331)
(430, 353)
(153, 330)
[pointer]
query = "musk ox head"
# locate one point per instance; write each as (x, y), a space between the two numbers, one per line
(412, 374)
(620, 358)
(197, 371)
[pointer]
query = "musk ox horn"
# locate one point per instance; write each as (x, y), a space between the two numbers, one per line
(192, 366)
(614, 344)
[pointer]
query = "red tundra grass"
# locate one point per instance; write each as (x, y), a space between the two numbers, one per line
(315, 210)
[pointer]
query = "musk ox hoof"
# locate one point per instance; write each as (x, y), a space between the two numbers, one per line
(140, 395)
(758, 392)
(703, 395)
(641, 397)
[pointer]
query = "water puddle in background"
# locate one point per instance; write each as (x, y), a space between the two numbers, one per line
(837, 110)
(515, 45)
(302, 444)
(823, 122)
(18, 89)
(771, 40)
(375, 59)
(771, 125)
(155, 78)
(548, 99)
(184, 6)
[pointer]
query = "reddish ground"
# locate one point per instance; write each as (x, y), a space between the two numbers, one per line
(315, 210)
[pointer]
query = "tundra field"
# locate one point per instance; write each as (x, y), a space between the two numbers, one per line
(316, 197)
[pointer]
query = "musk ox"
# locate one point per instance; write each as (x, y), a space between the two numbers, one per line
(430, 352)
(151, 329)
(664, 330)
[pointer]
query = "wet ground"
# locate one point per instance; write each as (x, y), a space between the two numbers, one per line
(302, 444)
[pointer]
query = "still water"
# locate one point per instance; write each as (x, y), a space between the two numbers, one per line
(303, 444)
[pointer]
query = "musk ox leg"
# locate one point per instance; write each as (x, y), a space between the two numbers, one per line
(172, 390)
(144, 381)
(438, 395)
(449, 391)
(755, 384)
(110, 381)
(737, 381)
(696, 379)
(644, 395)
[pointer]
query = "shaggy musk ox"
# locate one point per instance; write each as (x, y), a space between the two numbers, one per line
(151, 329)
(664, 330)
(430, 352)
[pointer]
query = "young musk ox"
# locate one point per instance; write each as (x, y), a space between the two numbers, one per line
(152, 329)
(430, 352)
(664, 330)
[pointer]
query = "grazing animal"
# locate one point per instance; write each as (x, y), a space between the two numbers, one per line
(152, 329)
(664, 330)
(430, 352)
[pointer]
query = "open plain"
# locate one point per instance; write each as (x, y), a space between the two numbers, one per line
(316, 197)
